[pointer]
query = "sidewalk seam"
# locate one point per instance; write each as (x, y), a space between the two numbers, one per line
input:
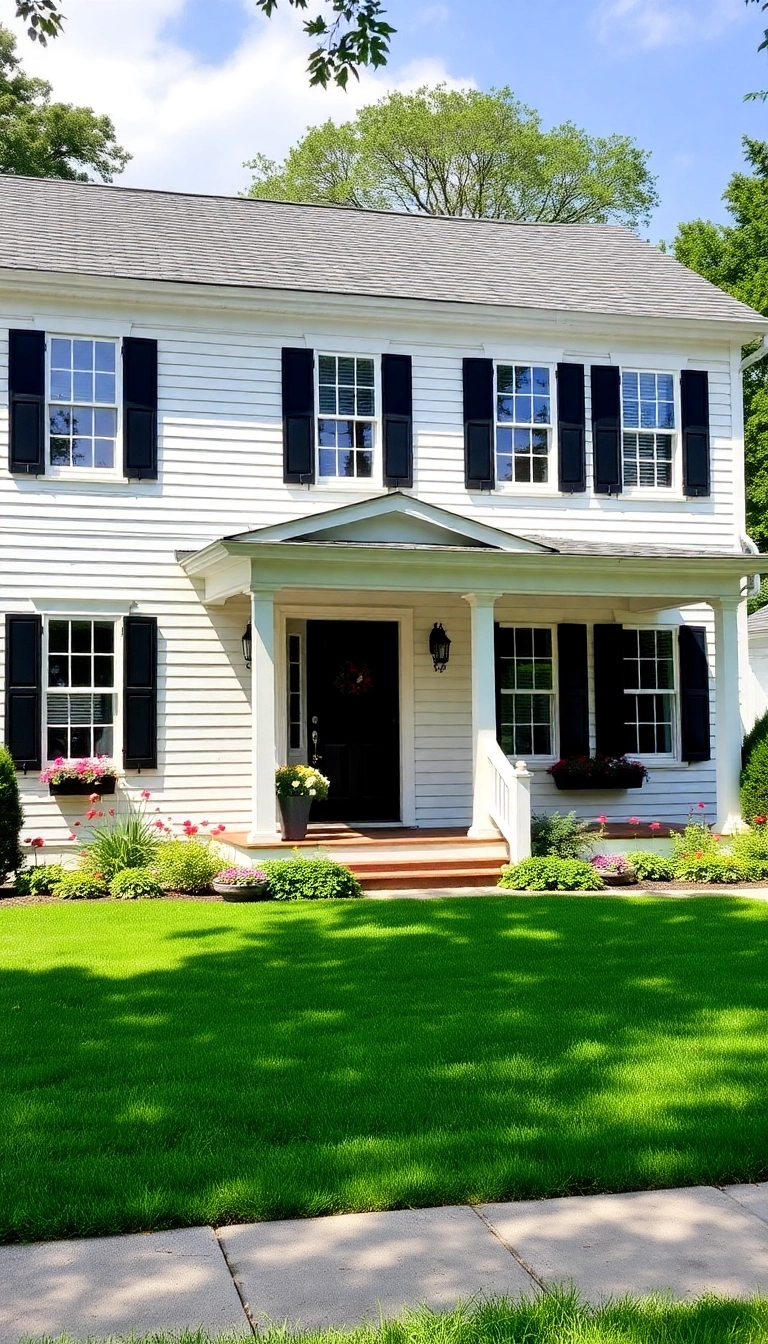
(510, 1249)
(724, 1190)
(243, 1303)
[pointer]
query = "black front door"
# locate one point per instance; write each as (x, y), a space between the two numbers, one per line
(353, 706)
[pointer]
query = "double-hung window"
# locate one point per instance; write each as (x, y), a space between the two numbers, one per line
(82, 403)
(649, 692)
(523, 423)
(346, 424)
(526, 690)
(648, 428)
(80, 688)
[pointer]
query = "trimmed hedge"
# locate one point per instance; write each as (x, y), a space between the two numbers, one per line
(11, 817)
(651, 867)
(754, 776)
(80, 886)
(302, 879)
(186, 866)
(551, 874)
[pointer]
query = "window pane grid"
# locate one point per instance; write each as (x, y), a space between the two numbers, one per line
(347, 409)
(523, 423)
(649, 699)
(647, 411)
(526, 686)
(294, 692)
(79, 722)
(82, 403)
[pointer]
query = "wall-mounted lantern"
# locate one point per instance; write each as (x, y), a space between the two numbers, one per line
(247, 645)
(439, 647)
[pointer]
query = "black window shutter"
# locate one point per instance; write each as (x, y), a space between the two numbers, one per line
(24, 689)
(610, 735)
(572, 467)
(298, 374)
(606, 428)
(140, 408)
(478, 424)
(694, 694)
(397, 417)
(573, 689)
(694, 404)
(140, 692)
(26, 402)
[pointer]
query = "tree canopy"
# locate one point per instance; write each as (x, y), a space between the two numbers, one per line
(735, 257)
(353, 33)
(442, 151)
(45, 139)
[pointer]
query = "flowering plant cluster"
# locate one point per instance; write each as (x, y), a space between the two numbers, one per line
(301, 781)
(241, 877)
(584, 767)
(611, 863)
(87, 769)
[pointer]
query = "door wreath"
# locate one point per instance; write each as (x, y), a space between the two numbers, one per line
(353, 679)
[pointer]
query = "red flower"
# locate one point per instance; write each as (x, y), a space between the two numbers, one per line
(759, 821)
(145, 794)
(111, 811)
(701, 805)
(91, 813)
(37, 843)
(94, 798)
(78, 823)
(699, 853)
(634, 821)
(602, 818)
(655, 826)
(72, 837)
(190, 830)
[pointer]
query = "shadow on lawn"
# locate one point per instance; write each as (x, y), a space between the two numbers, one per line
(318, 1059)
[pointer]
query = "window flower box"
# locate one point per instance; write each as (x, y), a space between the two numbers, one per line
(80, 778)
(598, 772)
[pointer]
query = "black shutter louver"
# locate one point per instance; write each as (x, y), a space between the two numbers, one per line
(610, 734)
(478, 424)
(694, 694)
(23, 689)
(140, 408)
(694, 405)
(298, 382)
(572, 468)
(26, 402)
(397, 419)
(606, 428)
(573, 689)
(140, 693)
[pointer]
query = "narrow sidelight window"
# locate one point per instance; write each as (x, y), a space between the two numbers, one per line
(650, 691)
(346, 425)
(526, 695)
(523, 423)
(80, 695)
(82, 403)
(294, 693)
(648, 425)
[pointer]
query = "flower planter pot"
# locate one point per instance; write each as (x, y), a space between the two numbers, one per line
(625, 779)
(618, 879)
(294, 817)
(80, 788)
(259, 891)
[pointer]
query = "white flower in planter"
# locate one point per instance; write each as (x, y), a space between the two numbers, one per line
(312, 793)
(295, 784)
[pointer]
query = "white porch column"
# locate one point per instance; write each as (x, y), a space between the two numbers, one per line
(263, 718)
(483, 709)
(728, 732)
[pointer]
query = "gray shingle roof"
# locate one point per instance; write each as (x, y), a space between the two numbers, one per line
(89, 229)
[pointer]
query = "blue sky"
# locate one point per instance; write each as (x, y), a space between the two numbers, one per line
(196, 86)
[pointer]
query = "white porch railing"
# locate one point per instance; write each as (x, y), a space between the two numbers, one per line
(509, 800)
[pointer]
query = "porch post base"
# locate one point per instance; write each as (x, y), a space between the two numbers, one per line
(733, 824)
(483, 833)
(264, 837)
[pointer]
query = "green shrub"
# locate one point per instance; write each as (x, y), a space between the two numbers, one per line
(697, 841)
(758, 733)
(11, 817)
(135, 884)
(186, 865)
(751, 847)
(754, 782)
(80, 886)
(714, 868)
(651, 867)
(300, 879)
(563, 836)
(126, 840)
(39, 881)
(551, 874)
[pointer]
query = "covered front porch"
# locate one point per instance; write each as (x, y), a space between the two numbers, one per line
(340, 609)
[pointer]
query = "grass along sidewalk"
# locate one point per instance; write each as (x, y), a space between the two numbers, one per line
(555, 1318)
(167, 1064)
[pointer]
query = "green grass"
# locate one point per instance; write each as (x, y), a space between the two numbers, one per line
(558, 1318)
(169, 1063)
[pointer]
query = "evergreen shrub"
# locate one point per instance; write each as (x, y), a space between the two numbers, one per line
(754, 780)
(187, 865)
(564, 836)
(11, 817)
(39, 881)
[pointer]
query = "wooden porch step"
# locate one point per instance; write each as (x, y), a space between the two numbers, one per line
(424, 878)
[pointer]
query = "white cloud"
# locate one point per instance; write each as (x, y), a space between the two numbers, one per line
(663, 23)
(190, 125)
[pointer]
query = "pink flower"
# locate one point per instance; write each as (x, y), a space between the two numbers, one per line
(159, 824)
(146, 795)
(602, 818)
(655, 826)
(205, 823)
(94, 798)
(190, 830)
(78, 823)
(186, 823)
(701, 805)
(220, 829)
(634, 821)
(72, 836)
(91, 813)
(38, 842)
(111, 811)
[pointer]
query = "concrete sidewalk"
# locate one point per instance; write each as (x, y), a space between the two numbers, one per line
(338, 1271)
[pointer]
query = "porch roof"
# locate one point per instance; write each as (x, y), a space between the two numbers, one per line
(394, 542)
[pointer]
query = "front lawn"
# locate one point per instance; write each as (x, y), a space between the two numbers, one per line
(168, 1063)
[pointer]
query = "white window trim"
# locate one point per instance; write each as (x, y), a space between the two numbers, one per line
(656, 492)
(115, 473)
(117, 727)
(551, 485)
(554, 694)
(665, 758)
(376, 479)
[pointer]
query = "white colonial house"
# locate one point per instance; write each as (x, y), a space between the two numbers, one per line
(322, 433)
